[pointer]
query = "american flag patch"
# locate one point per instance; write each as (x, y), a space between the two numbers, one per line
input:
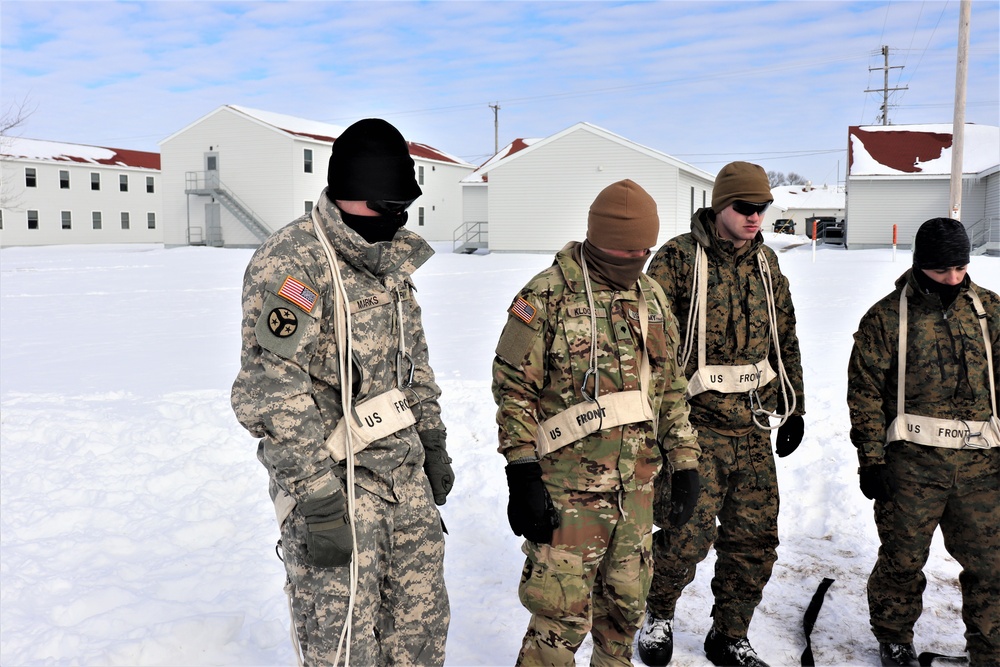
(299, 294)
(523, 310)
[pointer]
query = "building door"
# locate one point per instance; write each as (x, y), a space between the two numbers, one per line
(212, 170)
(213, 224)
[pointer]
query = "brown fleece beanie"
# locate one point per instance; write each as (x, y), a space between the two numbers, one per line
(740, 180)
(623, 217)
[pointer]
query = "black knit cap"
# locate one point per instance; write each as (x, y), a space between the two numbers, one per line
(941, 243)
(370, 161)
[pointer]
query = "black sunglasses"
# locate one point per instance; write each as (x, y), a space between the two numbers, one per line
(749, 208)
(387, 207)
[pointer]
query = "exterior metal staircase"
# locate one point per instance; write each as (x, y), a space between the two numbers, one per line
(196, 183)
(470, 237)
(984, 235)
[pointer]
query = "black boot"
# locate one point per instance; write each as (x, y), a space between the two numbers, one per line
(656, 640)
(897, 655)
(725, 651)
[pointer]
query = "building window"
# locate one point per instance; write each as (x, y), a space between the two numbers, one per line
(309, 207)
(95, 181)
(307, 160)
(149, 184)
(151, 220)
(125, 221)
(32, 219)
(703, 194)
(692, 203)
(123, 182)
(67, 220)
(420, 175)
(98, 221)
(63, 179)
(420, 215)
(30, 177)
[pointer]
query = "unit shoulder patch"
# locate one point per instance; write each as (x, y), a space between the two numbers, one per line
(298, 293)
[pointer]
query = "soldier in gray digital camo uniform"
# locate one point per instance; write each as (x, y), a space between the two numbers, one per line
(721, 279)
(928, 440)
(589, 397)
(331, 327)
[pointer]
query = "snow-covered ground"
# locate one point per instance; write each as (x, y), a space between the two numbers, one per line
(136, 528)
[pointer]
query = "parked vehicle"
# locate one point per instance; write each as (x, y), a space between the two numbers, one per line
(828, 229)
(784, 226)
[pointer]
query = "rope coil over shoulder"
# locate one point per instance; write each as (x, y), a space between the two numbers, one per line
(734, 379)
(933, 431)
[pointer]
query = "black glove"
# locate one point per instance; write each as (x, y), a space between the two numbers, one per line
(684, 488)
(877, 483)
(530, 510)
(328, 534)
(789, 435)
(437, 465)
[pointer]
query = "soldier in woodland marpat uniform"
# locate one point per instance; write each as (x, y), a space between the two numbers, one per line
(336, 383)
(589, 401)
(741, 359)
(922, 391)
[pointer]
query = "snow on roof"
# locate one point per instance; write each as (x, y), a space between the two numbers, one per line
(479, 175)
(54, 151)
(808, 197)
(312, 129)
(892, 150)
(519, 145)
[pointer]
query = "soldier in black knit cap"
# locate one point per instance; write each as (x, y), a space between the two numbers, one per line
(922, 391)
(335, 381)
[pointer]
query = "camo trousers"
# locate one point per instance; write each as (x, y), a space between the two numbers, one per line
(958, 490)
(739, 486)
(401, 611)
(594, 578)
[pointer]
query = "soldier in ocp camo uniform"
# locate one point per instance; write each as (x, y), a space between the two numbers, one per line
(930, 449)
(722, 280)
(355, 496)
(589, 395)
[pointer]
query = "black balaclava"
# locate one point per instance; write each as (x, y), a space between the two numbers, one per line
(370, 161)
(940, 243)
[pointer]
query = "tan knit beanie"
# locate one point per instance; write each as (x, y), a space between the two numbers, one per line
(623, 217)
(740, 180)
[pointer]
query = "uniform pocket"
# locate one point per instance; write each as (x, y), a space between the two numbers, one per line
(552, 582)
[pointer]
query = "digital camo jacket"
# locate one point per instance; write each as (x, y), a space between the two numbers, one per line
(288, 391)
(540, 366)
(738, 331)
(946, 373)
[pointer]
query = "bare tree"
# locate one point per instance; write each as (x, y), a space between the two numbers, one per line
(795, 179)
(14, 116)
(776, 178)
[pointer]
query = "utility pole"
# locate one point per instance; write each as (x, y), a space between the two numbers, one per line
(885, 89)
(496, 128)
(958, 124)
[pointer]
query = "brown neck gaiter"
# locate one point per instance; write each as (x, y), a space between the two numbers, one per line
(617, 272)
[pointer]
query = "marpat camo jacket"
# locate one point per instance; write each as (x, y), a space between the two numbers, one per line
(737, 327)
(946, 371)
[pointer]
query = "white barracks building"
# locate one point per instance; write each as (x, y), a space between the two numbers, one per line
(57, 193)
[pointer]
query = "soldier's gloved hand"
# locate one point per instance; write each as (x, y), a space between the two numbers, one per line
(877, 483)
(530, 510)
(328, 533)
(789, 435)
(437, 465)
(684, 488)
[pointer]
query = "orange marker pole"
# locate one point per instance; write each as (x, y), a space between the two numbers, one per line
(894, 243)
(814, 241)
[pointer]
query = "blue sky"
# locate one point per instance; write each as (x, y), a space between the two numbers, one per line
(777, 83)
